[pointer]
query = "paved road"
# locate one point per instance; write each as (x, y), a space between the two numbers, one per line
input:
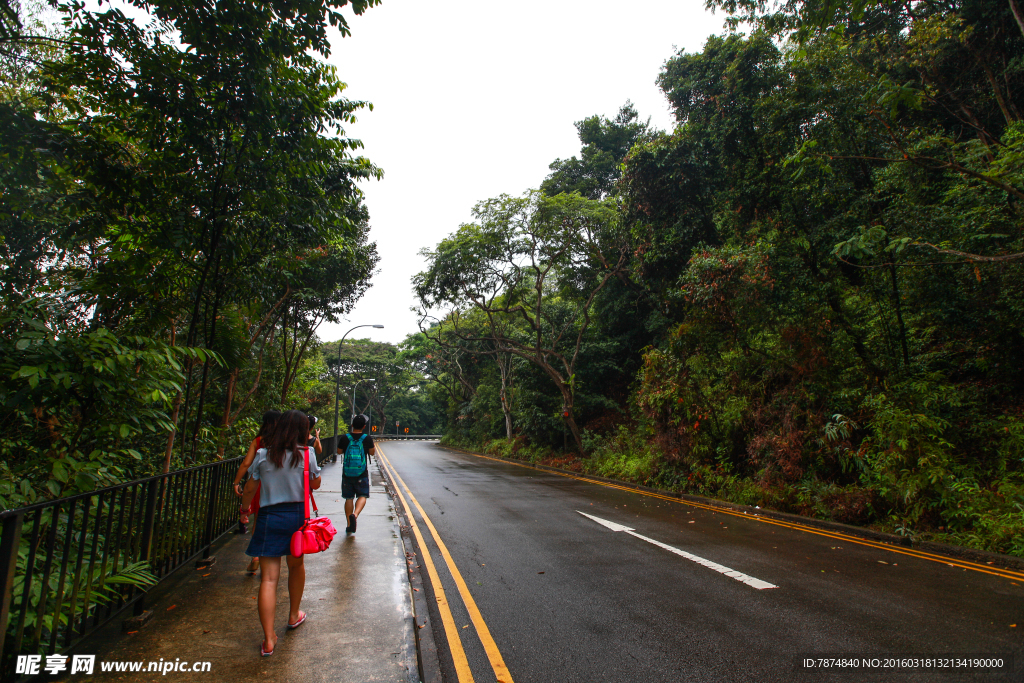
(567, 598)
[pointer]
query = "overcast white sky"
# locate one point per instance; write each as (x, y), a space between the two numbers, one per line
(473, 99)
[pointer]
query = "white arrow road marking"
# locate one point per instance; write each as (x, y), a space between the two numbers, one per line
(611, 525)
(731, 573)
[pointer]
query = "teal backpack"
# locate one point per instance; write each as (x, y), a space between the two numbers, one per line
(354, 461)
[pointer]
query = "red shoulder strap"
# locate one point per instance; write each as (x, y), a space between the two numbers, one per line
(305, 484)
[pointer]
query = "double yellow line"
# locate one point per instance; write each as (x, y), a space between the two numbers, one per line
(796, 526)
(462, 669)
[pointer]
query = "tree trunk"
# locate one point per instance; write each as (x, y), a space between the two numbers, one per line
(170, 437)
(1018, 15)
(187, 399)
(293, 359)
(508, 415)
(226, 419)
(577, 437)
(198, 423)
(570, 420)
(286, 381)
(211, 336)
(899, 318)
(505, 366)
(259, 373)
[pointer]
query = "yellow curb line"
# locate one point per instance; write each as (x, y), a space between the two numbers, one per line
(462, 669)
(501, 672)
(920, 554)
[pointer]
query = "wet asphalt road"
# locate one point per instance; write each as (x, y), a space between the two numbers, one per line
(567, 599)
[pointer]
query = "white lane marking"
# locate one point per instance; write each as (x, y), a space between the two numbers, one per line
(721, 569)
(611, 525)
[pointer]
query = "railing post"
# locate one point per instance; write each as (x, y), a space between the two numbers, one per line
(10, 538)
(211, 513)
(147, 537)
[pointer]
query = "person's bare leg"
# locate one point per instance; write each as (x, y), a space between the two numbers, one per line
(254, 563)
(296, 584)
(360, 504)
(348, 507)
(270, 572)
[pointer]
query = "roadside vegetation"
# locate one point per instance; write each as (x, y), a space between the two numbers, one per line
(807, 296)
(178, 214)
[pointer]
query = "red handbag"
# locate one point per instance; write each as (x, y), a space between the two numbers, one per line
(316, 534)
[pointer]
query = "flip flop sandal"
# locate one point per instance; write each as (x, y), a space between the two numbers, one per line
(263, 651)
(299, 622)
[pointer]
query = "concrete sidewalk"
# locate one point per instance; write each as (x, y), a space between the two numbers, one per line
(359, 628)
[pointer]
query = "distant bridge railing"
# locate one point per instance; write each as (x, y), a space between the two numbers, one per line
(65, 564)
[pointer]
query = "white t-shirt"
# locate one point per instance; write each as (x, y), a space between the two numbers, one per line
(282, 484)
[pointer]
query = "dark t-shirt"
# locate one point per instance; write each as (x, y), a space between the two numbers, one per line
(367, 445)
(343, 442)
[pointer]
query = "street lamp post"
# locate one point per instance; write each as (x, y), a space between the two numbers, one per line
(354, 393)
(337, 381)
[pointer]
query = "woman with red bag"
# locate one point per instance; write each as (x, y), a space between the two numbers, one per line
(278, 472)
(270, 419)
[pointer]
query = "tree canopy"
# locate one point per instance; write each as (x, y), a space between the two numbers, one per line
(181, 206)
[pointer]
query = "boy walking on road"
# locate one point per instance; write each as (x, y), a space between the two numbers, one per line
(355, 449)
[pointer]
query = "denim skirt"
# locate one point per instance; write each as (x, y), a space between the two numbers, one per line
(275, 524)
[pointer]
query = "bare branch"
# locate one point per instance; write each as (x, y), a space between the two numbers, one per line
(974, 257)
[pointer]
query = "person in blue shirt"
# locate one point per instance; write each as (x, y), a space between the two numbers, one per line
(356, 486)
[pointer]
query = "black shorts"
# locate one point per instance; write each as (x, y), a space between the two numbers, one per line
(355, 487)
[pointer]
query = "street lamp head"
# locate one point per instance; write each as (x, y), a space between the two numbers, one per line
(379, 327)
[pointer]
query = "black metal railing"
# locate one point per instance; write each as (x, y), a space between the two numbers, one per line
(69, 566)
(330, 452)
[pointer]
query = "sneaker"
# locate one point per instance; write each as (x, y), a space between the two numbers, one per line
(351, 524)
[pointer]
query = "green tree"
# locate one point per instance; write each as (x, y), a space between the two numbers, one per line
(835, 239)
(174, 189)
(605, 143)
(532, 266)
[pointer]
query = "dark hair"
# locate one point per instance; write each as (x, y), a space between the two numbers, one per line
(270, 419)
(290, 435)
(359, 422)
(312, 422)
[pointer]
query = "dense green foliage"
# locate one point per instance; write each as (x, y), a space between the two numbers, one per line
(822, 307)
(385, 382)
(527, 273)
(178, 213)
